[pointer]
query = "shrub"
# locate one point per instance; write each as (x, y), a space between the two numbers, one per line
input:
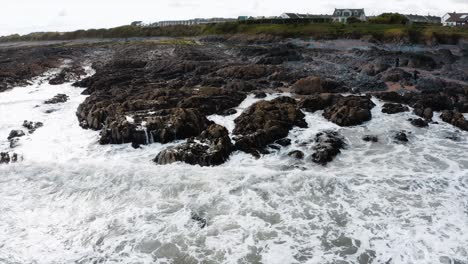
(389, 18)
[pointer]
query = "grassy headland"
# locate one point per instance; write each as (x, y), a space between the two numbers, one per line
(381, 32)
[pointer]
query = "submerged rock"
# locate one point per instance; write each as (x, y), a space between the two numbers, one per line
(328, 145)
(350, 110)
(370, 138)
(401, 136)
(390, 108)
(59, 98)
(266, 121)
(211, 148)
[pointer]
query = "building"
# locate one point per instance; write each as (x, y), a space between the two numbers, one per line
(455, 19)
(190, 22)
(342, 15)
(303, 16)
(417, 19)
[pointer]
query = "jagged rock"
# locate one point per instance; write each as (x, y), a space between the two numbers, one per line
(370, 138)
(161, 126)
(297, 154)
(350, 110)
(389, 108)
(32, 126)
(418, 122)
(15, 134)
(59, 98)
(212, 147)
(328, 145)
(266, 121)
(455, 118)
(401, 136)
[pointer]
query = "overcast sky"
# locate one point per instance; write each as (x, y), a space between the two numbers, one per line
(25, 16)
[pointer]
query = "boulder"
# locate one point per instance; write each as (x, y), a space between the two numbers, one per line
(284, 142)
(350, 110)
(390, 108)
(211, 148)
(266, 121)
(297, 154)
(418, 122)
(328, 145)
(455, 118)
(426, 113)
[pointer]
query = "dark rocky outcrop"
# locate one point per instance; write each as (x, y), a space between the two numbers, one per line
(455, 118)
(266, 121)
(396, 75)
(6, 157)
(161, 126)
(350, 110)
(317, 102)
(32, 126)
(212, 147)
(390, 108)
(59, 98)
(328, 145)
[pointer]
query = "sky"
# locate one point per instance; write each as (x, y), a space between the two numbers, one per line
(25, 16)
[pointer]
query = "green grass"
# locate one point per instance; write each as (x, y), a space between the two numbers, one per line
(383, 32)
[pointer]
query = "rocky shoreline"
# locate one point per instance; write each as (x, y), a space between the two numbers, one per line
(147, 92)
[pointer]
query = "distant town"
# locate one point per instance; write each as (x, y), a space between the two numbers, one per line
(339, 16)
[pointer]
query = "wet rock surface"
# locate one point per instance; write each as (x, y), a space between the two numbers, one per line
(266, 121)
(32, 126)
(328, 146)
(350, 110)
(7, 157)
(212, 147)
(389, 108)
(455, 118)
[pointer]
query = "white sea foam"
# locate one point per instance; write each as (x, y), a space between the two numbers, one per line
(72, 199)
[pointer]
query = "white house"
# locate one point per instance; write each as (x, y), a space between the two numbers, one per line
(455, 19)
(342, 15)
